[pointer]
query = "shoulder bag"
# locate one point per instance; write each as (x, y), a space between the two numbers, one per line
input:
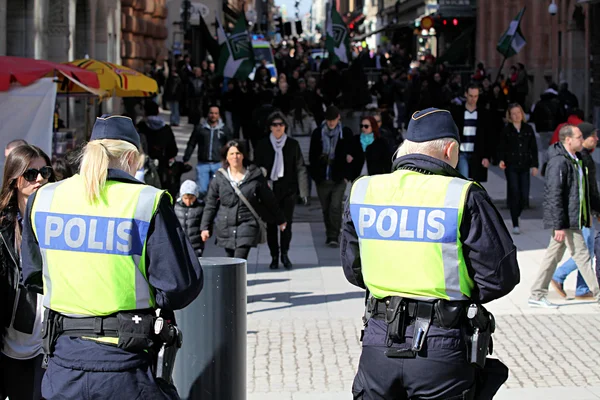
(262, 238)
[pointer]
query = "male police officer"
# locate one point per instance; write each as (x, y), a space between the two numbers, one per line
(111, 252)
(426, 243)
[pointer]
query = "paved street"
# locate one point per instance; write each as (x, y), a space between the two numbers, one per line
(304, 324)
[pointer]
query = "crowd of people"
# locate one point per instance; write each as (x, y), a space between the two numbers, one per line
(262, 144)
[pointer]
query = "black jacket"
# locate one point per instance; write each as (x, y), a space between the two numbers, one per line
(190, 219)
(518, 149)
(377, 155)
(561, 199)
(318, 161)
(234, 225)
(590, 164)
(201, 137)
(295, 177)
(160, 143)
(483, 140)
(12, 292)
(172, 269)
(548, 112)
(488, 248)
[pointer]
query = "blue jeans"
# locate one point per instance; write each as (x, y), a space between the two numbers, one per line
(463, 163)
(204, 174)
(569, 266)
(174, 107)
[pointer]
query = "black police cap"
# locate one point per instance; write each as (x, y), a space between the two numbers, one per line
(117, 127)
(431, 124)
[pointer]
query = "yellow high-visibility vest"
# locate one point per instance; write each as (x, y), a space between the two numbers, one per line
(94, 254)
(408, 225)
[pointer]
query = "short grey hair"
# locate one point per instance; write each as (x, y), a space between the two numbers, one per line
(434, 148)
(565, 132)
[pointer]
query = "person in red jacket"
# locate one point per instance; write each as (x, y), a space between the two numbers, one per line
(575, 118)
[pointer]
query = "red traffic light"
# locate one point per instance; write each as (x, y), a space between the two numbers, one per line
(445, 22)
(454, 22)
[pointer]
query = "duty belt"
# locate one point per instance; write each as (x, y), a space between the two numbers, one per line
(94, 326)
(399, 313)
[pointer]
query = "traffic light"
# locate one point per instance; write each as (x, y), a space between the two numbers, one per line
(299, 27)
(287, 29)
(186, 14)
(279, 25)
(455, 22)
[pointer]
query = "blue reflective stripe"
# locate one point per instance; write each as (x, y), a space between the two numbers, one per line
(91, 234)
(413, 224)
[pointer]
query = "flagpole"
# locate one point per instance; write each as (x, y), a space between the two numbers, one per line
(508, 47)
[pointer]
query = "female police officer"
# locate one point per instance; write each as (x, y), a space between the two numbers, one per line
(109, 251)
(426, 243)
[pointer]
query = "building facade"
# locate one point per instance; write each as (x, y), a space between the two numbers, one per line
(561, 47)
(61, 30)
(143, 32)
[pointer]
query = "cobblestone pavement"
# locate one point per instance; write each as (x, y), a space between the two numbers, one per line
(549, 350)
(540, 351)
(304, 324)
(292, 355)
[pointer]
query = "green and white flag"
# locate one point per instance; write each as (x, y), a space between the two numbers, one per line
(337, 40)
(236, 57)
(512, 41)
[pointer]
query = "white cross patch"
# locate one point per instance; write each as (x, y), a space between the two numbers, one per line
(136, 319)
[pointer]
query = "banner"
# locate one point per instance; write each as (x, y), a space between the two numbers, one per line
(236, 57)
(512, 41)
(27, 112)
(337, 41)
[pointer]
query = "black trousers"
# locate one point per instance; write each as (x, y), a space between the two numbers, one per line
(331, 196)
(240, 252)
(443, 374)
(136, 383)
(517, 188)
(286, 205)
(21, 379)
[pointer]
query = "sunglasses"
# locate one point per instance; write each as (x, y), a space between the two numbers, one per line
(277, 124)
(31, 174)
(365, 126)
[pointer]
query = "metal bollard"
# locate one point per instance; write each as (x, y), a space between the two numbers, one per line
(211, 364)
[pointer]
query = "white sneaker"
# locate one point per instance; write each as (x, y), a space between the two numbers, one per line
(516, 230)
(542, 303)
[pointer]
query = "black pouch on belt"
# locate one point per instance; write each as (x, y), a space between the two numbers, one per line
(449, 314)
(135, 331)
(394, 317)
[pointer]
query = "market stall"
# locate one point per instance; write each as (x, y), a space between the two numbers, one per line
(27, 98)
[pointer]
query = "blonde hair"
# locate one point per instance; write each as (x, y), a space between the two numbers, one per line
(510, 107)
(100, 155)
(434, 148)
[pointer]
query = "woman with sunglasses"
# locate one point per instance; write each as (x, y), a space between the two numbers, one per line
(282, 158)
(26, 169)
(369, 151)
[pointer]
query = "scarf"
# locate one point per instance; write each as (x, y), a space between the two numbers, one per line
(329, 139)
(366, 139)
(277, 170)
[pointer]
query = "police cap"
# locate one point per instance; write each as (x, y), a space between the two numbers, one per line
(117, 127)
(431, 124)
